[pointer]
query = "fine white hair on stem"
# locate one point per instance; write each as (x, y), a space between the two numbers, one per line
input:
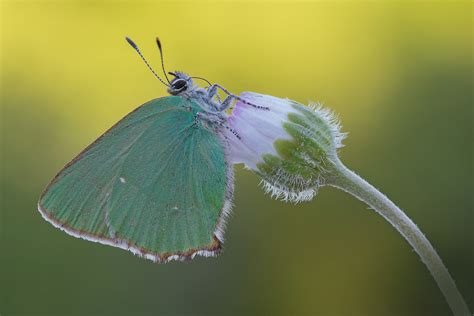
(348, 181)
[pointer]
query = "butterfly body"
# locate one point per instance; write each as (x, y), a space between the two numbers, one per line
(159, 183)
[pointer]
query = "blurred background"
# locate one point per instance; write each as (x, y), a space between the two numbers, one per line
(399, 74)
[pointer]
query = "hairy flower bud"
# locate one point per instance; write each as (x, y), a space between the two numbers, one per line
(290, 145)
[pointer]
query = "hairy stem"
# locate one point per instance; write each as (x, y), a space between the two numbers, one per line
(348, 181)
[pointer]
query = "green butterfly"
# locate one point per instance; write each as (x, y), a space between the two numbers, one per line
(159, 183)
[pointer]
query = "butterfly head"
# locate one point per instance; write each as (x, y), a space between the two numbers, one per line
(181, 83)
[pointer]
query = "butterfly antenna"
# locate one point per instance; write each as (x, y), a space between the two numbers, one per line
(203, 79)
(161, 56)
(135, 47)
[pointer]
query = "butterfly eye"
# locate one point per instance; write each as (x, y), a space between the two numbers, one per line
(179, 84)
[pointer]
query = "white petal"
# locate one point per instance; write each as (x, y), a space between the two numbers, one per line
(258, 128)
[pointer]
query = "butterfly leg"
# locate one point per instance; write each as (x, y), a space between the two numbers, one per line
(215, 86)
(225, 104)
(212, 92)
(213, 119)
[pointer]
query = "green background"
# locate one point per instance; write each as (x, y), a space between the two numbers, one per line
(399, 74)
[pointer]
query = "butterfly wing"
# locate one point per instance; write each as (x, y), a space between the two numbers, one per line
(156, 184)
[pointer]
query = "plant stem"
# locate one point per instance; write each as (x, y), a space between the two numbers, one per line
(348, 181)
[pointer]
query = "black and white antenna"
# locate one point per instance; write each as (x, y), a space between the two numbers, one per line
(135, 47)
(158, 43)
(204, 79)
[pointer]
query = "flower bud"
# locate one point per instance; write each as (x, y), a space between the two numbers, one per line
(288, 144)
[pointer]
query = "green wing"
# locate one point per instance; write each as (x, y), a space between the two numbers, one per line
(156, 184)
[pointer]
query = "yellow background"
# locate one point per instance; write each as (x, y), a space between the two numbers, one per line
(399, 74)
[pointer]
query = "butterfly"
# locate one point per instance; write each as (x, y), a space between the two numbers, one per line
(159, 183)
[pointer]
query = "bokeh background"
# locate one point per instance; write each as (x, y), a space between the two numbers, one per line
(399, 74)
